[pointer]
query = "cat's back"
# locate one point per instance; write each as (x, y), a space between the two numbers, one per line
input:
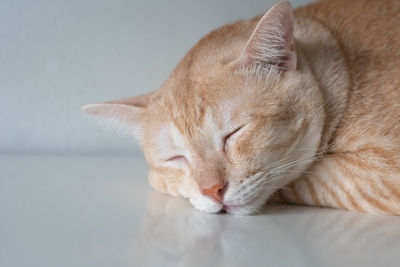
(368, 33)
(364, 28)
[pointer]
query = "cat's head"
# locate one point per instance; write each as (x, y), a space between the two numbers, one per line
(238, 118)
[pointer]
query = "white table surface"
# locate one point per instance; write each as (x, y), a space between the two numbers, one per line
(100, 211)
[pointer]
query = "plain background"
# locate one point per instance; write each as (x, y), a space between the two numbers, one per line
(56, 56)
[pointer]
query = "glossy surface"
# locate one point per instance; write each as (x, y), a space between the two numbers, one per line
(100, 211)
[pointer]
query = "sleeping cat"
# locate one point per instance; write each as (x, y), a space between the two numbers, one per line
(299, 107)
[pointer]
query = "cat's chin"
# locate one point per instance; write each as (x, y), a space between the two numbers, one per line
(246, 208)
(239, 210)
(206, 205)
(209, 206)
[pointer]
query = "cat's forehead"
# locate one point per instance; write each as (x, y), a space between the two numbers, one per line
(196, 112)
(204, 89)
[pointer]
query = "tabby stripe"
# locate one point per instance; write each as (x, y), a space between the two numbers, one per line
(376, 186)
(290, 196)
(345, 191)
(334, 195)
(295, 194)
(373, 202)
(389, 185)
(311, 191)
(367, 171)
(362, 164)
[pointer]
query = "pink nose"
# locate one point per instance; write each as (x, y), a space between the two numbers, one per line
(216, 192)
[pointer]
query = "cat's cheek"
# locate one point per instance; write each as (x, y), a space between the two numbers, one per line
(168, 182)
(157, 183)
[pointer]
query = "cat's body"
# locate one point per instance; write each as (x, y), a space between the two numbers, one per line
(255, 106)
(361, 166)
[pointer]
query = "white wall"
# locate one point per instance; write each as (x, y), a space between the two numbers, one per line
(58, 55)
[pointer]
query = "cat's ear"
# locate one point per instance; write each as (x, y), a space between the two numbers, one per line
(272, 43)
(123, 115)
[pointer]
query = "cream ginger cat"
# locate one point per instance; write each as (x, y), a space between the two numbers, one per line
(299, 107)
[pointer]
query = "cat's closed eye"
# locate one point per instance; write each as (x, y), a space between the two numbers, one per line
(176, 158)
(228, 138)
